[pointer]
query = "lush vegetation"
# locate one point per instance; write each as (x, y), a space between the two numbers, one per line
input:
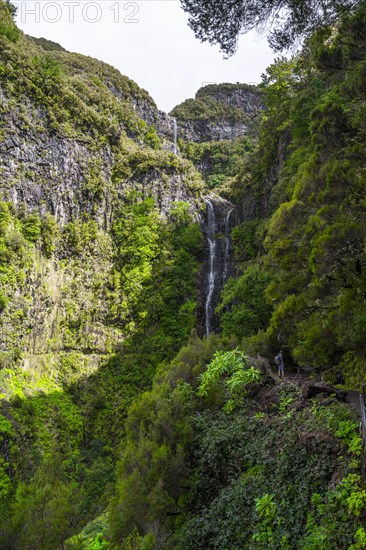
(207, 108)
(308, 185)
(119, 427)
(57, 432)
(235, 108)
(88, 308)
(225, 104)
(82, 97)
(218, 161)
(198, 468)
(47, 44)
(215, 90)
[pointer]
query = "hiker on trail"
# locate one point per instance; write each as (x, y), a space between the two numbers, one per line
(280, 364)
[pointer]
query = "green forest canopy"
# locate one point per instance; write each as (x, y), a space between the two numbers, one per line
(172, 442)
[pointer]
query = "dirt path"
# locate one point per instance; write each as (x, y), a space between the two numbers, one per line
(353, 396)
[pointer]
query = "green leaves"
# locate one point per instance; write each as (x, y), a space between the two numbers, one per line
(155, 276)
(49, 67)
(265, 507)
(230, 370)
(244, 308)
(311, 166)
(9, 31)
(207, 108)
(5, 217)
(246, 242)
(267, 512)
(152, 465)
(32, 227)
(45, 510)
(49, 231)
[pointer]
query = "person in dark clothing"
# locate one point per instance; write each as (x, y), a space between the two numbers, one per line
(280, 364)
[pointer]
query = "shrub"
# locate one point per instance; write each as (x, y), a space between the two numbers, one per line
(9, 31)
(3, 302)
(48, 232)
(5, 217)
(49, 67)
(32, 227)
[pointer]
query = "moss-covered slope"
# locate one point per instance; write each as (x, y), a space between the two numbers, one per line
(99, 259)
(218, 129)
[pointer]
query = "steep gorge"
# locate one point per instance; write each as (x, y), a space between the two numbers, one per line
(134, 413)
(218, 223)
(101, 257)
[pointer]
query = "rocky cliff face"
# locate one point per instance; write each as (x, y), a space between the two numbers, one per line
(74, 148)
(218, 112)
(70, 176)
(100, 260)
(246, 97)
(77, 139)
(217, 222)
(163, 122)
(206, 130)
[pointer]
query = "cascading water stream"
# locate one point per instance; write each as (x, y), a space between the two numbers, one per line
(225, 270)
(211, 273)
(175, 135)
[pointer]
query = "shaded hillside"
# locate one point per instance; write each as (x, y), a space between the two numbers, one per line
(99, 262)
(218, 455)
(302, 203)
(119, 427)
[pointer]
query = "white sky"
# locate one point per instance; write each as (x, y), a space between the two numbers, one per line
(147, 40)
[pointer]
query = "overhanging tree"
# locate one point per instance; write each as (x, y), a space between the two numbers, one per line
(286, 21)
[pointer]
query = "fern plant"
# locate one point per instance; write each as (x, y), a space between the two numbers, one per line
(230, 370)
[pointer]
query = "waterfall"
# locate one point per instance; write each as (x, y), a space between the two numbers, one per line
(211, 273)
(217, 224)
(175, 134)
(225, 270)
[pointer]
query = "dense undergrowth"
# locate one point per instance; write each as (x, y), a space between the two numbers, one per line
(241, 464)
(88, 309)
(219, 161)
(62, 420)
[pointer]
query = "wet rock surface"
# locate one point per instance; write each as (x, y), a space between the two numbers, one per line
(217, 224)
